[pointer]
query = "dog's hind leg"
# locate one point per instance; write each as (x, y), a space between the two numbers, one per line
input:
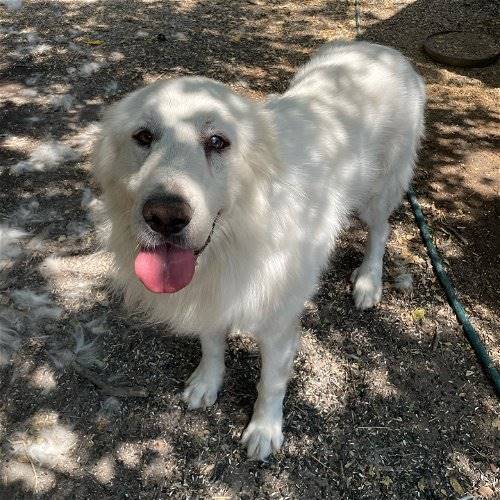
(367, 278)
(375, 213)
(204, 383)
(397, 166)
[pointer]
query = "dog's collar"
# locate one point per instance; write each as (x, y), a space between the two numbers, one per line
(198, 252)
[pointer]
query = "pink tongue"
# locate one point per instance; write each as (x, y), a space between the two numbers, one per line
(165, 269)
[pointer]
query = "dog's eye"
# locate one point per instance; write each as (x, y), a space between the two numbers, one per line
(216, 143)
(143, 137)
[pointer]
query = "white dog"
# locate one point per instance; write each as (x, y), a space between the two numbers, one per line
(224, 211)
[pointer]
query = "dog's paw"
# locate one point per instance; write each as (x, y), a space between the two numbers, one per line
(202, 388)
(261, 437)
(367, 290)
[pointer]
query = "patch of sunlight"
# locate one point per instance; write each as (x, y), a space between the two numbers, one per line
(73, 278)
(379, 384)
(104, 469)
(43, 378)
(34, 454)
(129, 454)
(322, 371)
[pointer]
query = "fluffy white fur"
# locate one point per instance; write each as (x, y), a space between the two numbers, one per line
(47, 156)
(40, 305)
(10, 339)
(11, 243)
(26, 213)
(83, 349)
(49, 446)
(12, 4)
(341, 140)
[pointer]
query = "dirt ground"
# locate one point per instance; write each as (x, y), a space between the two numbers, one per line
(386, 403)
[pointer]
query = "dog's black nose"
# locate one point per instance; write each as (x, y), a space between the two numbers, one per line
(167, 215)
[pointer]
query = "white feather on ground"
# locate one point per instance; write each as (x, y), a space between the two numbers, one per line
(33, 79)
(8, 30)
(28, 475)
(33, 38)
(88, 198)
(77, 229)
(111, 88)
(47, 156)
(62, 101)
(97, 326)
(26, 213)
(89, 68)
(22, 52)
(54, 313)
(79, 347)
(83, 347)
(33, 454)
(11, 241)
(39, 49)
(33, 119)
(10, 339)
(403, 282)
(12, 4)
(111, 406)
(40, 305)
(27, 299)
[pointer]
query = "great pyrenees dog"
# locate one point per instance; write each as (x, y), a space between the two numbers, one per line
(224, 211)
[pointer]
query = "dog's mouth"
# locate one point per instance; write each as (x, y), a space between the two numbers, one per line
(168, 268)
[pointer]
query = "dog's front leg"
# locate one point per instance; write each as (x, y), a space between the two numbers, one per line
(264, 432)
(204, 383)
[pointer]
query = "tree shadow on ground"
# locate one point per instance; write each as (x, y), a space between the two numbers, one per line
(375, 409)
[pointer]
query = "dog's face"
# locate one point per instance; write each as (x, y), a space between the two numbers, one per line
(173, 158)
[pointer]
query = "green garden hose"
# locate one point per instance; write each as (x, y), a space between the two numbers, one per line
(451, 295)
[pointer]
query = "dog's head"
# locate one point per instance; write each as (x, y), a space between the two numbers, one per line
(172, 159)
